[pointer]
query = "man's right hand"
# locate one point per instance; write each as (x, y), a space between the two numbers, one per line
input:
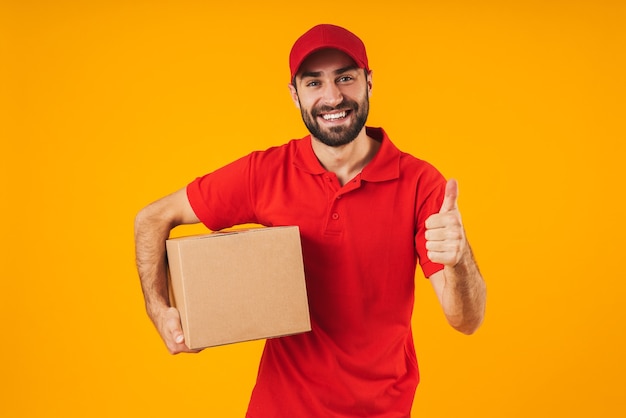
(168, 325)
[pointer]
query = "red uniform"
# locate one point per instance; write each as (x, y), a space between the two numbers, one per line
(361, 244)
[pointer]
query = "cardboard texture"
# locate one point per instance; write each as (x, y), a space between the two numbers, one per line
(238, 285)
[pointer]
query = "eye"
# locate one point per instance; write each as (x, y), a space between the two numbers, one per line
(312, 83)
(345, 78)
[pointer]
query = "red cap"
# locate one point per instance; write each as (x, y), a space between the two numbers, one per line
(323, 37)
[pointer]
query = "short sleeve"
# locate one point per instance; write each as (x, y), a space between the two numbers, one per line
(222, 199)
(430, 194)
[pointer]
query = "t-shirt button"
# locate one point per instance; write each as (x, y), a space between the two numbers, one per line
(339, 197)
(335, 216)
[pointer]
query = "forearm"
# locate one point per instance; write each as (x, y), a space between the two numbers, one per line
(464, 294)
(152, 228)
(151, 232)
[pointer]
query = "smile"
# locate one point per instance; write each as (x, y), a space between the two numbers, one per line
(334, 116)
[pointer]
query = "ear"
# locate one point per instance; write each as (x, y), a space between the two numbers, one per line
(369, 83)
(294, 95)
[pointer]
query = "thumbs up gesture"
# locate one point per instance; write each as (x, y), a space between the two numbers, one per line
(445, 236)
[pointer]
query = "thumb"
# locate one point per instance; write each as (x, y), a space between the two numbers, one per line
(179, 338)
(173, 325)
(450, 198)
(177, 333)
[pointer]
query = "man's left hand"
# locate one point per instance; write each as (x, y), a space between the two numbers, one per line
(445, 236)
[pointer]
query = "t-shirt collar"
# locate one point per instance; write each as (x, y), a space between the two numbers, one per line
(384, 166)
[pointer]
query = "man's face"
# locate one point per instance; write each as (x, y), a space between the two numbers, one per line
(333, 96)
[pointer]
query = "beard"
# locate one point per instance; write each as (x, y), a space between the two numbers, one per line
(337, 136)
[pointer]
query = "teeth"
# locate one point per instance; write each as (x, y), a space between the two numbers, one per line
(334, 116)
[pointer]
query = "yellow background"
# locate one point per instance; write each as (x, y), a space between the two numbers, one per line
(108, 105)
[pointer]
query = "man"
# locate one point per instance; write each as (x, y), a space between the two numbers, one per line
(367, 214)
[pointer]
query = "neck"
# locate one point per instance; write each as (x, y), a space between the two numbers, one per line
(347, 160)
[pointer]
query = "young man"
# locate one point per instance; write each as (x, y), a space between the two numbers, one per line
(367, 212)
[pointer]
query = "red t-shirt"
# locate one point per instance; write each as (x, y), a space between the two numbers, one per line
(360, 244)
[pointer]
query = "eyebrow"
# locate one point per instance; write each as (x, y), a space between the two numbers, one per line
(315, 74)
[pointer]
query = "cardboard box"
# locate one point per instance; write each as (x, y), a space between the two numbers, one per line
(238, 285)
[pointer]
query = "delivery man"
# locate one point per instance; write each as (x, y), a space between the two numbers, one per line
(368, 214)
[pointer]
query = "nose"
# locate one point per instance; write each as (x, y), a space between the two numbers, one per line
(332, 95)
